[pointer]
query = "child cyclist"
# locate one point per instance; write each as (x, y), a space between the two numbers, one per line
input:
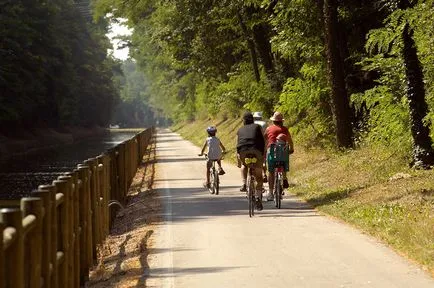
(215, 151)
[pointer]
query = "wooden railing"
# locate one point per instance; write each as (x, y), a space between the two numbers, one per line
(51, 239)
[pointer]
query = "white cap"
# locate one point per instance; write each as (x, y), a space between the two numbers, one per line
(257, 115)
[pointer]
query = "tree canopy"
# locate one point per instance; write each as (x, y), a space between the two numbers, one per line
(337, 69)
(344, 73)
(55, 71)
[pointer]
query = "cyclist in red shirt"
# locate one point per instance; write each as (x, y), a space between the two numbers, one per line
(271, 134)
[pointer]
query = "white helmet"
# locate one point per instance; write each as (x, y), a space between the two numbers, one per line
(257, 115)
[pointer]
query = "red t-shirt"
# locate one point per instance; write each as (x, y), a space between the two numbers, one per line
(273, 131)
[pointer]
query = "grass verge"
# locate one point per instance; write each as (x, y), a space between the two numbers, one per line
(369, 188)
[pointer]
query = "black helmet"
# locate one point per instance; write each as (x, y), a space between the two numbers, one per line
(211, 130)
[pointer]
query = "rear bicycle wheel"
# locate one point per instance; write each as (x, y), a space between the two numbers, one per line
(277, 190)
(252, 195)
(216, 182)
(279, 195)
(211, 180)
(249, 196)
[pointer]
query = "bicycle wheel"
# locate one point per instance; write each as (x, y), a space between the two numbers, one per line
(216, 182)
(249, 196)
(252, 196)
(279, 195)
(277, 190)
(211, 180)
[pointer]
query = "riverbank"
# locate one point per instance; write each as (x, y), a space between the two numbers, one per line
(28, 141)
(369, 188)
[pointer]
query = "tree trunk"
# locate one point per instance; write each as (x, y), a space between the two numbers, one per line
(251, 45)
(423, 154)
(336, 74)
(261, 37)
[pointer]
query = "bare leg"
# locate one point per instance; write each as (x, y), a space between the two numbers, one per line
(244, 174)
(271, 182)
(258, 176)
(264, 170)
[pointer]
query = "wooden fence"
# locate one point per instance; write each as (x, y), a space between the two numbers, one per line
(51, 239)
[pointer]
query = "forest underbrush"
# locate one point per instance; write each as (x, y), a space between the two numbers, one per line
(370, 188)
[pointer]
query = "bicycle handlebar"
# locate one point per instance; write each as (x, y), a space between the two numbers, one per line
(206, 155)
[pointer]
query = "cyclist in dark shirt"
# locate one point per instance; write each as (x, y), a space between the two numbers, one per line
(251, 141)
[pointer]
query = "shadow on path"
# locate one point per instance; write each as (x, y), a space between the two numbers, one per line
(189, 204)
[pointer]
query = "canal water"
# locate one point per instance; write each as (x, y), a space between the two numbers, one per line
(21, 174)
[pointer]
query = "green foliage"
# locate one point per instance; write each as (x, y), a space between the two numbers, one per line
(54, 66)
(298, 28)
(389, 116)
(424, 35)
(305, 101)
(132, 109)
(388, 123)
(198, 64)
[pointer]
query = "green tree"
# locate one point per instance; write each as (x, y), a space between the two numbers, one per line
(55, 71)
(340, 100)
(397, 40)
(133, 109)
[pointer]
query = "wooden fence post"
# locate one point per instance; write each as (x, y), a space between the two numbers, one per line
(114, 181)
(127, 167)
(51, 244)
(84, 220)
(62, 232)
(2, 258)
(46, 236)
(101, 197)
(33, 242)
(106, 192)
(75, 244)
(70, 236)
(121, 171)
(92, 163)
(15, 252)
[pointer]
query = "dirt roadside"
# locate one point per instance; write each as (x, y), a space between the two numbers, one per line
(123, 258)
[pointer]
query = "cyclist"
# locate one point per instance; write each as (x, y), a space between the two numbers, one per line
(257, 117)
(251, 141)
(215, 151)
(271, 134)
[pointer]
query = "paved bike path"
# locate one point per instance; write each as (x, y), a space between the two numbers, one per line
(209, 241)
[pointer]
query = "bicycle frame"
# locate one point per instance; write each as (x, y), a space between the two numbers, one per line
(251, 187)
(278, 184)
(213, 177)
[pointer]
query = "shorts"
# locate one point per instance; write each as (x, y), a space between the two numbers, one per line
(242, 155)
(209, 162)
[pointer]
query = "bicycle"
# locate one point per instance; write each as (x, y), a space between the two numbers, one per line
(250, 161)
(214, 177)
(278, 183)
(277, 157)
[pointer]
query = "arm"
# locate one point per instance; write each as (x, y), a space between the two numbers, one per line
(223, 147)
(266, 137)
(290, 143)
(203, 148)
